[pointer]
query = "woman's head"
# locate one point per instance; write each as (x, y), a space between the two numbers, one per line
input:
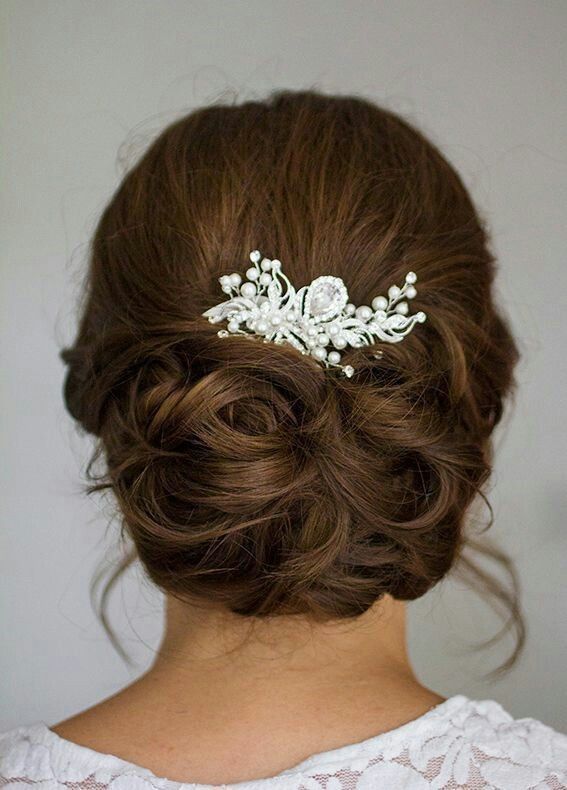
(247, 475)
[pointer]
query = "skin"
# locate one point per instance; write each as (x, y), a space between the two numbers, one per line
(230, 700)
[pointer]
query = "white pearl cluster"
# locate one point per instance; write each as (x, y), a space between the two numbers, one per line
(317, 319)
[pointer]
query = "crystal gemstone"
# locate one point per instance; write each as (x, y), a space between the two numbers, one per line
(327, 295)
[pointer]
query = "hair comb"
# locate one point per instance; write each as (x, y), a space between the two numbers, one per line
(317, 319)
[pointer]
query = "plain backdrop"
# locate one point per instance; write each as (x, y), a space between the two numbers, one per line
(86, 85)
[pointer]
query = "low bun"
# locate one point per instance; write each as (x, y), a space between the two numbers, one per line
(249, 476)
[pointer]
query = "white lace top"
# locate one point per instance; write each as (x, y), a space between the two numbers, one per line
(461, 744)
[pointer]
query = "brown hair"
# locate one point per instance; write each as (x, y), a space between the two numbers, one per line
(247, 474)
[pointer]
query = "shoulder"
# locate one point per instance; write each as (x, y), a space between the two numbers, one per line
(24, 756)
(486, 721)
(477, 743)
(34, 754)
(462, 743)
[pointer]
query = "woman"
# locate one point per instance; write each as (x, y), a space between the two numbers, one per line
(292, 462)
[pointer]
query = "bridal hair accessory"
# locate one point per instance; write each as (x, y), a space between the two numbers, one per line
(318, 319)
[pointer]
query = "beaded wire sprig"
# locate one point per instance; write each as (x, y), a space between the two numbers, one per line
(317, 319)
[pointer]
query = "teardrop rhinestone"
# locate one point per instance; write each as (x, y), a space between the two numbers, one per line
(321, 300)
(327, 296)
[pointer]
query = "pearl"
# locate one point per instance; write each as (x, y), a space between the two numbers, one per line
(363, 312)
(333, 329)
(266, 265)
(402, 308)
(276, 264)
(227, 289)
(411, 292)
(393, 291)
(380, 303)
(348, 370)
(248, 290)
(276, 320)
(265, 279)
(255, 256)
(312, 331)
(420, 317)
(233, 326)
(261, 326)
(252, 273)
(235, 280)
(323, 339)
(334, 357)
(411, 277)
(224, 280)
(350, 309)
(319, 353)
(311, 342)
(339, 342)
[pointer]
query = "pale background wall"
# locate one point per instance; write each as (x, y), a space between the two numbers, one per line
(84, 80)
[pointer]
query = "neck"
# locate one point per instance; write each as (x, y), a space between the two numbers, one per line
(229, 698)
(232, 649)
(276, 667)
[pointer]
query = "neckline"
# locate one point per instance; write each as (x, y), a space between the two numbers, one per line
(68, 756)
(382, 740)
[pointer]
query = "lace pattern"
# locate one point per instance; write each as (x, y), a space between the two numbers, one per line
(459, 745)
